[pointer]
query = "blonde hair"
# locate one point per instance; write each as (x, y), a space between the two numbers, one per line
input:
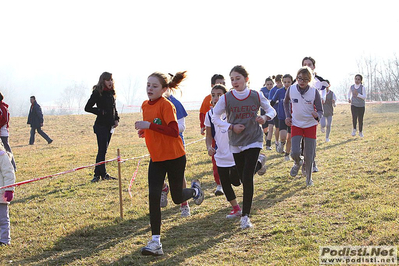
(306, 73)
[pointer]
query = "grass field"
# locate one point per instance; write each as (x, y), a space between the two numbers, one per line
(67, 220)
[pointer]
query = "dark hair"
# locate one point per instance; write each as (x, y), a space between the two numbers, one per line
(172, 82)
(100, 85)
(1, 96)
(277, 77)
(268, 79)
(220, 87)
(215, 77)
(33, 97)
(309, 58)
(361, 78)
(240, 69)
(288, 76)
(305, 71)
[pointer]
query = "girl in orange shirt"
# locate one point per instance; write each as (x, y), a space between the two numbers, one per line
(160, 130)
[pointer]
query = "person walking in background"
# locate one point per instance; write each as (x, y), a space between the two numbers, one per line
(328, 111)
(7, 177)
(4, 131)
(160, 129)
(103, 97)
(357, 99)
(206, 105)
(268, 126)
(35, 120)
(241, 106)
(303, 109)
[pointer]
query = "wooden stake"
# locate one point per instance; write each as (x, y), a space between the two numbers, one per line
(120, 184)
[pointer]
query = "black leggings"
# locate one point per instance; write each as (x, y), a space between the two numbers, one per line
(246, 162)
(156, 176)
(357, 114)
(229, 176)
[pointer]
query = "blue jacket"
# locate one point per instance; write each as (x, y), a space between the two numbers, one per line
(35, 117)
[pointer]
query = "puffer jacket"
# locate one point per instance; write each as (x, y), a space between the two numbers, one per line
(105, 108)
(7, 175)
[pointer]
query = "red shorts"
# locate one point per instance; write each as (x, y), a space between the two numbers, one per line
(309, 132)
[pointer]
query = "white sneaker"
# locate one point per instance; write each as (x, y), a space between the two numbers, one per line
(152, 248)
(281, 147)
(268, 148)
(315, 169)
(310, 183)
(245, 222)
(164, 197)
(361, 134)
(323, 130)
(354, 132)
(199, 198)
(234, 214)
(219, 190)
(287, 157)
(277, 147)
(185, 210)
(295, 168)
(262, 160)
(327, 140)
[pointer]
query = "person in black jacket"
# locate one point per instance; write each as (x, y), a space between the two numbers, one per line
(35, 120)
(103, 96)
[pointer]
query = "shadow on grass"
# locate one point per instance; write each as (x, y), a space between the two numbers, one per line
(330, 146)
(189, 239)
(90, 241)
(278, 193)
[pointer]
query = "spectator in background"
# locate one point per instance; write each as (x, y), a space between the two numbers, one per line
(35, 120)
(4, 118)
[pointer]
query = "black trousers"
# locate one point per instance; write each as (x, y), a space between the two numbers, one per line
(246, 162)
(104, 135)
(357, 114)
(156, 176)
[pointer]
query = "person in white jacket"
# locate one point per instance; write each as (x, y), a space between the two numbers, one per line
(7, 177)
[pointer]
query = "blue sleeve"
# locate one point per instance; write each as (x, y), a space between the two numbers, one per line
(180, 111)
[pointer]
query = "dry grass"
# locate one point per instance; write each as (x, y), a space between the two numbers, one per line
(69, 221)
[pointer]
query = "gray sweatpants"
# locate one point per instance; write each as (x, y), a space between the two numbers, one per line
(4, 224)
(308, 152)
(326, 121)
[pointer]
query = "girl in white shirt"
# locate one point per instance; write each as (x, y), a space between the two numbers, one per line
(357, 99)
(241, 106)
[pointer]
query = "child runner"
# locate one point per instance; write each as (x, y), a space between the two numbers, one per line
(245, 134)
(223, 156)
(268, 126)
(160, 130)
(303, 120)
(328, 111)
(285, 131)
(7, 177)
(206, 105)
(357, 97)
(279, 85)
(180, 115)
(320, 84)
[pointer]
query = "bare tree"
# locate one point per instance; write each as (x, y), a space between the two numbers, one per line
(72, 99)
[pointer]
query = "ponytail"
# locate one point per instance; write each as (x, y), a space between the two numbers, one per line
(172, 82)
